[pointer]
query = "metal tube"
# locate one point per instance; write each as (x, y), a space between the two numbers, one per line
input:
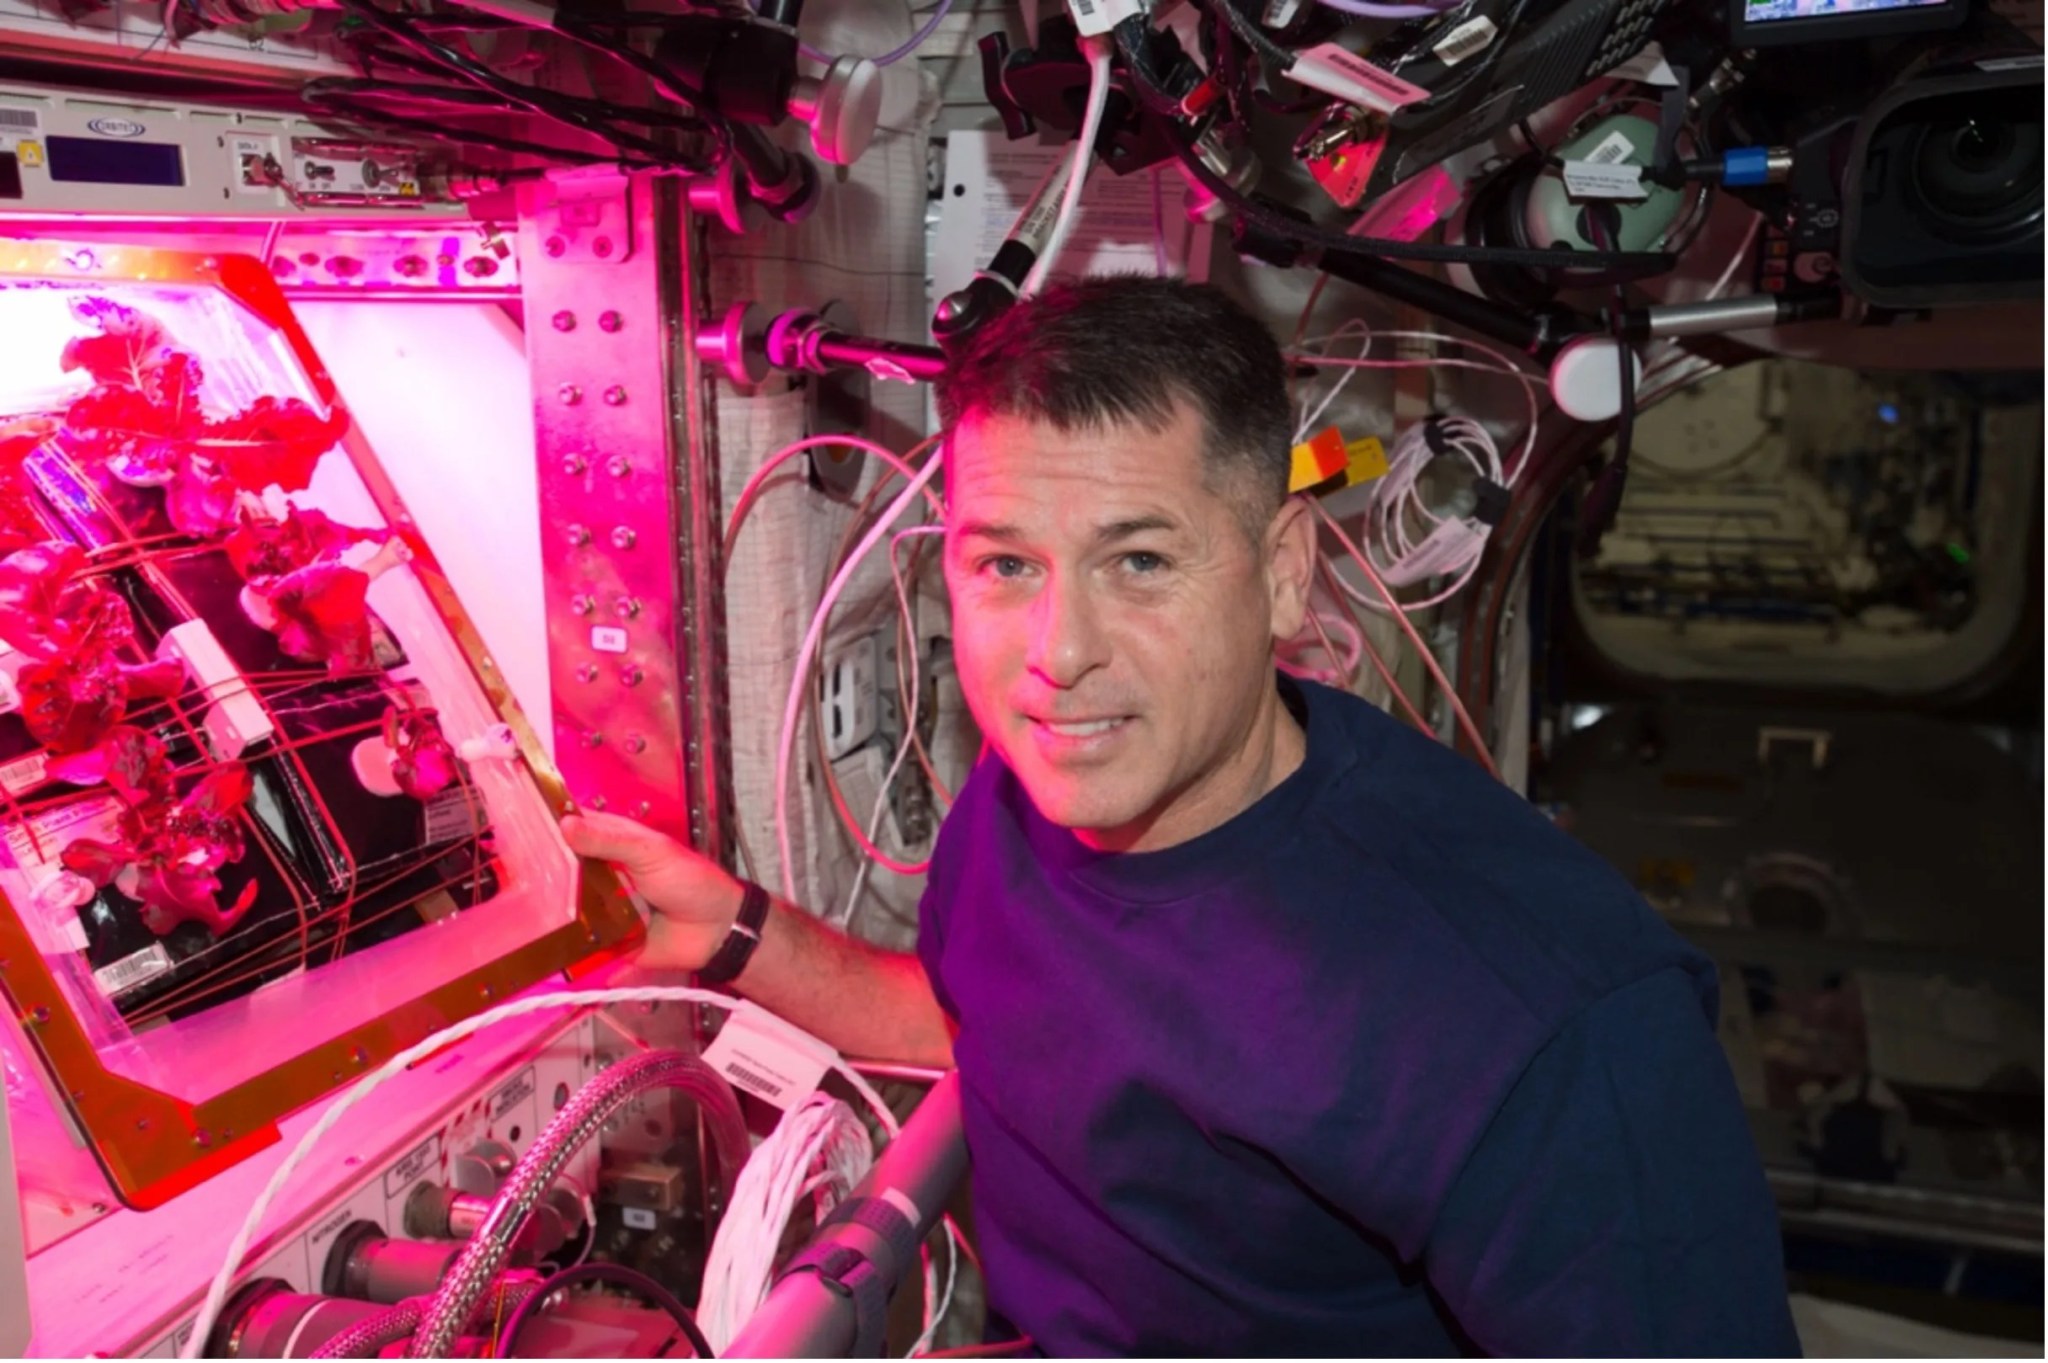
(805, 1318)
(1716, 315)
(919, 362)
(538, 1168)
(1921, 1212)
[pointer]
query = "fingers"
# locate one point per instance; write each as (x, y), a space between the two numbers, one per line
(608, 837)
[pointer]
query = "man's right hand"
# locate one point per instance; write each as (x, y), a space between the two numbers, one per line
(693, 898)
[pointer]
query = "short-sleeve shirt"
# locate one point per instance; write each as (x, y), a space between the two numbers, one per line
(1387, 1064)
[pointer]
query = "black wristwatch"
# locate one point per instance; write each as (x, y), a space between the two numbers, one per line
(740, 942)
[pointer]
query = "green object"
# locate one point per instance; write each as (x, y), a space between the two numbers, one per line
(1554, 218)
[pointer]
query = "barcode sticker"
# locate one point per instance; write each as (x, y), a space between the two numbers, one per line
(25, 772)
(21, 120)
(1586, 180)
(1613, 148)
(454, 814)
(1387, 91)
(1467, 39)
(130, 971)
(767, 1057)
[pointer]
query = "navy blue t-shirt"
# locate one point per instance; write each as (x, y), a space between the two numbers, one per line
(1384, 1065)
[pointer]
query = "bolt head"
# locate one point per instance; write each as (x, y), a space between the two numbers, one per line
(555, 246)
(610, 321)
(565, 320)
(593, 739)
(601, 248)
(570, 394)
(574, 465)
(615, 396)
(598, 802)
(618, 466)
(587, 672)
(623, 537)
(636, 744)
(581, 605)
(626, 607)
(577, 535)
(631, 675)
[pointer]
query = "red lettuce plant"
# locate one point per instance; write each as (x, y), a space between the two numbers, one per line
(422, 761)
(144, 421)
(75, 629)
(170, 848)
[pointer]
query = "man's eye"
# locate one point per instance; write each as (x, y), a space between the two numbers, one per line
(1003, 565)
(1143, 561)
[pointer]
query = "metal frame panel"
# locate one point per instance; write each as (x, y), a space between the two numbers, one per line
(628, 502)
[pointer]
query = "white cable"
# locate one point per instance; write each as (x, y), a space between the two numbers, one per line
(1406, 541)
(860, 877)
(1307, 422)
(238, 1248)
(1098, 49)
(800, 679)
(819, 1147)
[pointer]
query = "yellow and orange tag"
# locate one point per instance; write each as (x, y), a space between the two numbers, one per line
(1326, 462)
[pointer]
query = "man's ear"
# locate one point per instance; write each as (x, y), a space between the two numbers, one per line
(1290, 566)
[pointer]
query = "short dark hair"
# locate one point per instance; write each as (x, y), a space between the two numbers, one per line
(1120, 348)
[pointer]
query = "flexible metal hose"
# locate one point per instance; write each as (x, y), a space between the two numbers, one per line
(542, 1164)
(369, 1337)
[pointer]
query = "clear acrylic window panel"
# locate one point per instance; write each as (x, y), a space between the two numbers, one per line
(207, 1053)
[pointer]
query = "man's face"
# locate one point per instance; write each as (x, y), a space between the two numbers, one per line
(1114, 622)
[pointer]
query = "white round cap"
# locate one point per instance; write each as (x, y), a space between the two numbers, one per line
(848, 106)
(1585, 378)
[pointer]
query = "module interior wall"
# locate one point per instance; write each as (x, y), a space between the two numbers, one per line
(865, 246)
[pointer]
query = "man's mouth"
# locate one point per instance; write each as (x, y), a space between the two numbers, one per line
(1082, 728)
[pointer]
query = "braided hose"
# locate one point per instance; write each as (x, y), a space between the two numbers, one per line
(370, 1336)
(541, 1165)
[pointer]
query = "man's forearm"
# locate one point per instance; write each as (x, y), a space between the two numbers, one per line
(868, 1003)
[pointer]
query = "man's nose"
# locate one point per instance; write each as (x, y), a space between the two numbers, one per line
(1067, 640)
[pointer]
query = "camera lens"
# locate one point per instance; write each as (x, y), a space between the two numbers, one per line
(1977, 165)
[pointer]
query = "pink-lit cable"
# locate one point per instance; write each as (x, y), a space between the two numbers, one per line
(1331, 584)
(1429, 661)
(756, 485)
(813, 636)
(860, 878)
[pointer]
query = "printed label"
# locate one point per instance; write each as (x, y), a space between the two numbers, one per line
(608, 639)
(25, 772)
(1613, 149)
(21, 120)
(129, 971)
(1467, 39)
(1584, 180)
(116, 127)
(37, 840)
(769, 1058)
(30, 154)
(637, 1218)
(453, 815)
(417, 1164)
(1389, 90)
(511, 1094)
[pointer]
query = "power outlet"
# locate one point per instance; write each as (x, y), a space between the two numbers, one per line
(849, 708)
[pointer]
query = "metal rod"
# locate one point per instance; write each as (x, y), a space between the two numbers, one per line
(920, 362)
